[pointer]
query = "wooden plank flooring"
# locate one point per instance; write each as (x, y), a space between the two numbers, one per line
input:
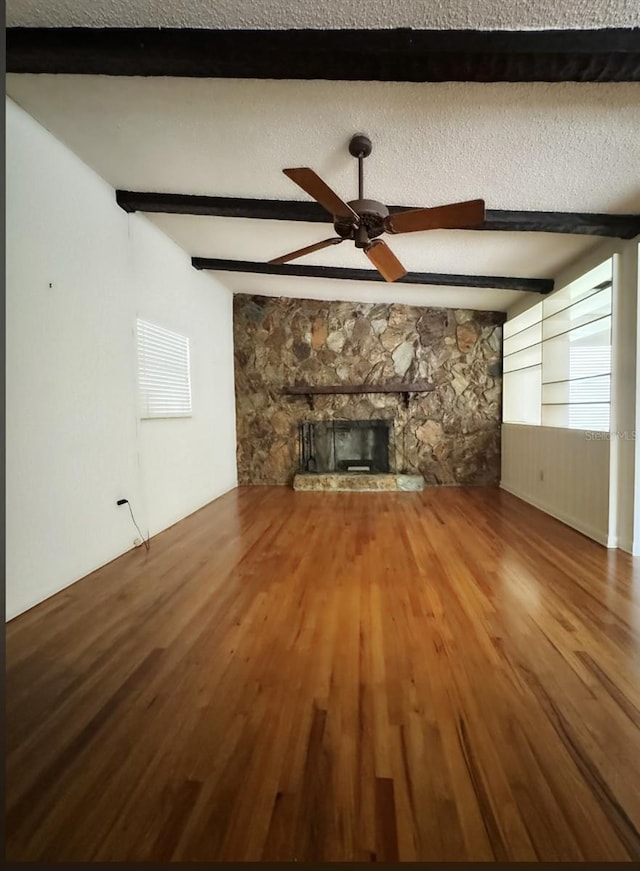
(447, 675)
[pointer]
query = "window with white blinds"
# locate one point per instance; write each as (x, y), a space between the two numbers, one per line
(522, 367)
(164, 376)
(557, 358)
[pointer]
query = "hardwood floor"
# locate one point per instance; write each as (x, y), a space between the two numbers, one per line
(445, 675)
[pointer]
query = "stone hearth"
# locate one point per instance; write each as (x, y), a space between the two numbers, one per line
(358, 482)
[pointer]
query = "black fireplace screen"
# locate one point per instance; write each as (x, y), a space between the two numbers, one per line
(344, 446)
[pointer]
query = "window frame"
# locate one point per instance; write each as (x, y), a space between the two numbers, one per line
(532, 321)
(163, 369)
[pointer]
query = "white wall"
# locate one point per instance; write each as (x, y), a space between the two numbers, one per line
(624, 386)
(564, 472)
(636, 406)
(79, 272)
(589, 482)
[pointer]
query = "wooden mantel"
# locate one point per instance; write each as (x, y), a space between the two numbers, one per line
(404, 389)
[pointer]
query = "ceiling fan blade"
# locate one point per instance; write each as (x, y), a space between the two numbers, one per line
(308, 250)
(452, 217)
(384, 260)
(312, 184)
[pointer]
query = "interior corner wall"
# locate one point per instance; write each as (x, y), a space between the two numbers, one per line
(79, 273)
(623, 395)
(586, 479)
(635, 548)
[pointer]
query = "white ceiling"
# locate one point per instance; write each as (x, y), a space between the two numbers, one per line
(471, 253)
(539, 146)
(274, 14)
(564, 146)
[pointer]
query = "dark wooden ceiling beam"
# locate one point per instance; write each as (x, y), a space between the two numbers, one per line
(619, 226)
(606, 55)
(533, 285)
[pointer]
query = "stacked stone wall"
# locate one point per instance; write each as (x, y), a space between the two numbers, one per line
(450, 435)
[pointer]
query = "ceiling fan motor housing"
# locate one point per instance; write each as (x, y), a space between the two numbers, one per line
(371, 214)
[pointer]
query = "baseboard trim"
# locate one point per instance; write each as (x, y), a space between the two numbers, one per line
(626, 546)
(590, 531)
(60, 589)
(223, 492)
(54, 592)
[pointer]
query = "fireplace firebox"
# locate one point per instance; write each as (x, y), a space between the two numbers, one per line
(347, 446)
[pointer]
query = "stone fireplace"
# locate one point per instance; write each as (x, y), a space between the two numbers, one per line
(449, 434)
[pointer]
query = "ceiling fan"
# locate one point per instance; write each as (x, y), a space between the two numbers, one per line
(363, 221)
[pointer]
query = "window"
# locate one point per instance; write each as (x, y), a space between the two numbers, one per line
(164, 377)
(557, 358)
(522, 367)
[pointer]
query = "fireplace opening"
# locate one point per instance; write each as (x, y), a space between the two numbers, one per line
(348, 446)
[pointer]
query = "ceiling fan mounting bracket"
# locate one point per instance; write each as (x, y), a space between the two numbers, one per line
(360, 145)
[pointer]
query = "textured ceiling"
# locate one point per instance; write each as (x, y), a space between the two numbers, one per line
(365, 291)
(549, 147)
(565, 146)
(273, 14)
(462, 252)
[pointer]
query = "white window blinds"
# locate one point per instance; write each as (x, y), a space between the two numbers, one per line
(522, 366)
(557, 358)
(164, 377)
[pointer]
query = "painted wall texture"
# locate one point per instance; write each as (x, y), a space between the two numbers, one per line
(450, 435)
(79, 273)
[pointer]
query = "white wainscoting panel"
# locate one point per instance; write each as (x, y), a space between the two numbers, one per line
(564, 472)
